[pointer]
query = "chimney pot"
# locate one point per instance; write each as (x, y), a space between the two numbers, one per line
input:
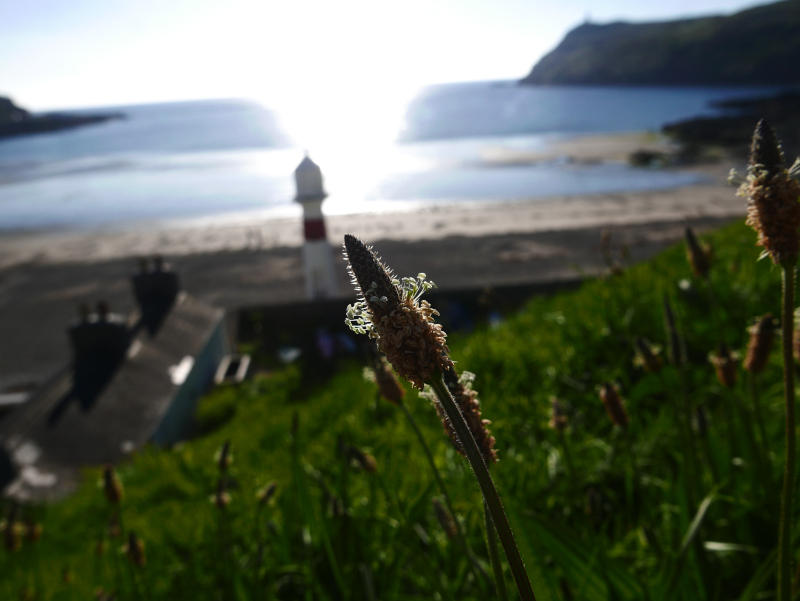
(102, 310)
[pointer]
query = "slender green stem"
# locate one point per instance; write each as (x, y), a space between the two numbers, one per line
(488, 489)
(494, 555)
(785, 529)
(631, 454)
(688, 472)
(568, 458)
(432, 463)
(462, 539)
(391, 496)
(796, 581)
(687, 410)
(710, 458)
(714, 308)
(762, 431)
(749, 432)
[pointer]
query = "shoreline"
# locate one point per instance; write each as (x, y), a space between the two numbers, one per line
(44, 276)
(474, 219)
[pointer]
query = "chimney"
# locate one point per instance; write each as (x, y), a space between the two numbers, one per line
(99, 334)
(155, 291)
(99, 341)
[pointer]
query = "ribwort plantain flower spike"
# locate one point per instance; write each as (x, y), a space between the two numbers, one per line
(365, 461)
(558, 417)
(392, 313)
(724, 362)
(11, 535)
(647, 355)
(265, 494)
(221, 498)
(224, 458)
(466, 399)
(762, 338)
(112, 487)
(135, 550)
(113, 528)
(33, 530)
(617, 413)
(699, 254)
(796, 336)
(765, 149)
(446, 521)
(383, 376)
(773, 210)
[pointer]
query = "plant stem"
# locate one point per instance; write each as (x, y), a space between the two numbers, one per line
(688, 472)
(494, 556)
(631, 454)
(747, 427)
(462, 539)
(687, 418)
(785, 529)
(757, 409)
(568, 459)
(488, 489)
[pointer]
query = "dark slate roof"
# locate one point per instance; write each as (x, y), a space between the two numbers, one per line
(124, 416)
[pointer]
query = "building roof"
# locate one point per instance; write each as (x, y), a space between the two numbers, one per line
(52, 436)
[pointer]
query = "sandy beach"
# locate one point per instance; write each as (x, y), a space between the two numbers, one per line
(45, 275)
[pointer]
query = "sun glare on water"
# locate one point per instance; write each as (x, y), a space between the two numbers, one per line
(350, 130)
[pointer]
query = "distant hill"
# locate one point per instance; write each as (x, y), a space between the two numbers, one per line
(758, 46)
(16, 121)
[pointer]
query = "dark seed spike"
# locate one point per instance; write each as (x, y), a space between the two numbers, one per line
(614, 405)
(367, 269)
(697, 254)
(766, 149)
(725, 365)
(762, 337)
(559, 420)
(470, 408)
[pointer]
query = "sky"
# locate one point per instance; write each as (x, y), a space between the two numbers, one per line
(288, 53)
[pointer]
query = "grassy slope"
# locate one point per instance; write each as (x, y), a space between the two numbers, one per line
(758, 46)
(627, 548)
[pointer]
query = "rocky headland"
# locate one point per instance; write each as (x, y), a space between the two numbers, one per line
(757, 46)
(16, 121)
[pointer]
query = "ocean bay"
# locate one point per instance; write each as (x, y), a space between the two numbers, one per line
(490, 141)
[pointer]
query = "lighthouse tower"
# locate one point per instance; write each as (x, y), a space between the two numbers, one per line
(317, 257)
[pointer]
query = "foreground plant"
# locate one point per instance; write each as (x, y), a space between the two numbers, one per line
(392, 312)
(774, 213)
(389, 388)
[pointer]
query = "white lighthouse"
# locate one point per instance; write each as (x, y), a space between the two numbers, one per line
(317, 255)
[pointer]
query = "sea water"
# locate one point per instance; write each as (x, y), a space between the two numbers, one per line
(234, 159)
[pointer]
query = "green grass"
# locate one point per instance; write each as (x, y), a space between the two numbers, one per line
(668, 531)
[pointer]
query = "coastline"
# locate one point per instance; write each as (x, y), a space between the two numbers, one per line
(440, 219)
(437, 222)
(258, 263)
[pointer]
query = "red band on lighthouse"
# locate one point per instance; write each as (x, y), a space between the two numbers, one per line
(314, 229)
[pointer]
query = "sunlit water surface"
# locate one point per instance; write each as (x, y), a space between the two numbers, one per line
(230, 159)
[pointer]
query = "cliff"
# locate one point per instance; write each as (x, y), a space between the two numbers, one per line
(757, 46)
(16, 121)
